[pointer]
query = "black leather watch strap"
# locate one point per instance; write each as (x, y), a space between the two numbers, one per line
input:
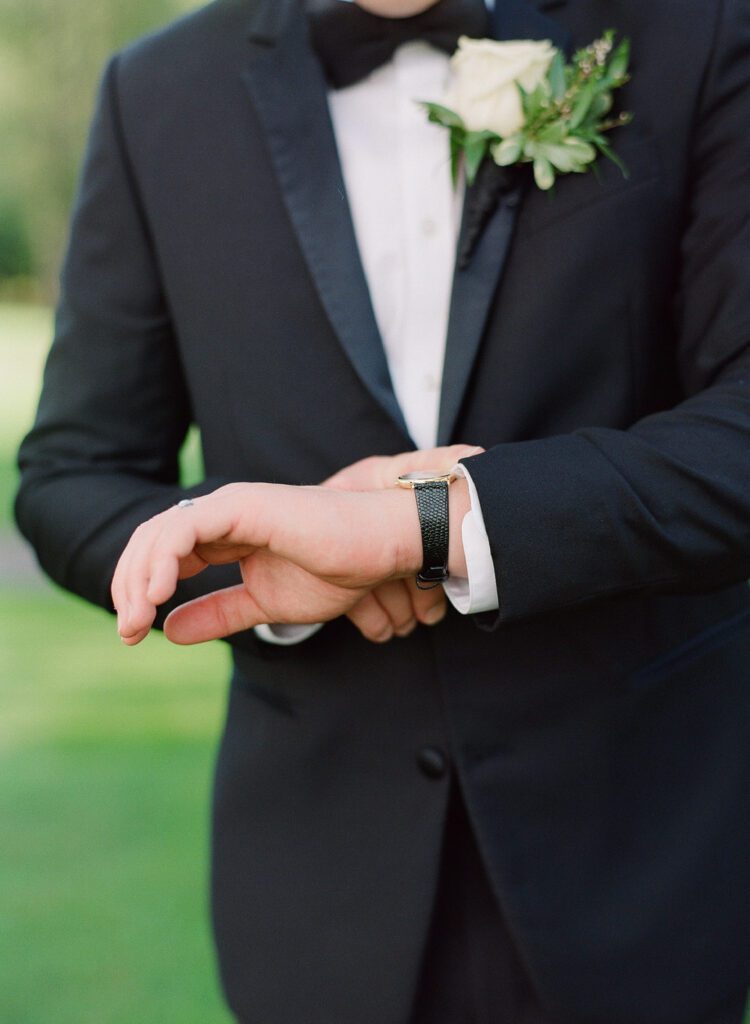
(432, 507)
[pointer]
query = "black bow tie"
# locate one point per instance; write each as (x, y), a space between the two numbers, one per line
(351, 42)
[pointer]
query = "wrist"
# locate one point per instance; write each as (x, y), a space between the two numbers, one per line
(406, 529)
(459, 503)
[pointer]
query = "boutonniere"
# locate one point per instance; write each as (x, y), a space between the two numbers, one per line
(519, 102)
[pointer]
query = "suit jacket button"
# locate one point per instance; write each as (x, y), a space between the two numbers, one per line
(432, 762)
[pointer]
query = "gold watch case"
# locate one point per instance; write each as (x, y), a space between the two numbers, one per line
(412, 480)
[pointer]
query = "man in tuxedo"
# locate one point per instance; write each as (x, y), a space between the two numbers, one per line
(538, 809)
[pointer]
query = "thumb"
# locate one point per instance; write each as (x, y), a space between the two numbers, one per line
(438, 459)
(213, 616)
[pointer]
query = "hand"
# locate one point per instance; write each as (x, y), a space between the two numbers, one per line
(380, 471)
(395, 608)
(306, 554)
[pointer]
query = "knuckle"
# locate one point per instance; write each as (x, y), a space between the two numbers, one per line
(223, 620)
(424, 599)
(429, 612)
(375, 626)
(403, 621)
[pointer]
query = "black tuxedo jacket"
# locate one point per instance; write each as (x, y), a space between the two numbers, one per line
(598, 348)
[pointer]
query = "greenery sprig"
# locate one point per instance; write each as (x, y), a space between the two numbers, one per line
(566, 118)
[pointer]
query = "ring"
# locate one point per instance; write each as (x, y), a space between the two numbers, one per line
(185, 503)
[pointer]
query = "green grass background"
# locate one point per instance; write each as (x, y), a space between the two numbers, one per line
(105, 774)
(105, 766)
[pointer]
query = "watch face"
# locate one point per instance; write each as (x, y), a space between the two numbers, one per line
(424, 477)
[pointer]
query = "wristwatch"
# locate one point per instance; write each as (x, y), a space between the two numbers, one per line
(431, 491)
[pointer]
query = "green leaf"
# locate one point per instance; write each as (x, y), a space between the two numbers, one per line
(602, 104)
(456, 152)
(558, 156)
(556, 76)
(596, 139)
(554, 132)
(526, 102)
(569, 157)
(583, 152)
(544, 174)
(475, 148)
(606, 150)
(439, 114)
(582, 104)
(538, 100)
(530, 148)
(485, 134)
(508, 151)
(618, 62)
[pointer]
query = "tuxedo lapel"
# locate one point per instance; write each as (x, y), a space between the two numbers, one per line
(489, 218)
(528, 19)
(289, 93)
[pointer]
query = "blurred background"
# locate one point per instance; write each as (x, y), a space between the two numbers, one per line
(105, 753)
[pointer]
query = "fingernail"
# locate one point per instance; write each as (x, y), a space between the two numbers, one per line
(476, 451)
(408, 629)
(434, 615)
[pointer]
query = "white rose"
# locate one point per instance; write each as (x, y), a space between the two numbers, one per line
(483, 90)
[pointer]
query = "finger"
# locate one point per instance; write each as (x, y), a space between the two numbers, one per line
(132, 633)
(120, 582)
(379, 471)
(158, 551)
(149, 567)
(221, 553)
(213, 616)
(167, 570)
(154, 569)
(119, 601)
(192, 565)
(131, 641)
(371, 620)
(438, 459)
(364, 475)
(428, 606)
(395, 599)
(122, 597)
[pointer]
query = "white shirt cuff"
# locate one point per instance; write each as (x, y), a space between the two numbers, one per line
(285, 635)
(477, 593)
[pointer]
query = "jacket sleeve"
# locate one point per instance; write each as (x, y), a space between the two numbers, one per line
(102, 456)
(665, 505)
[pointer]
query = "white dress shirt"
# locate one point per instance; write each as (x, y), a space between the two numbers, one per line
(407, 214)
